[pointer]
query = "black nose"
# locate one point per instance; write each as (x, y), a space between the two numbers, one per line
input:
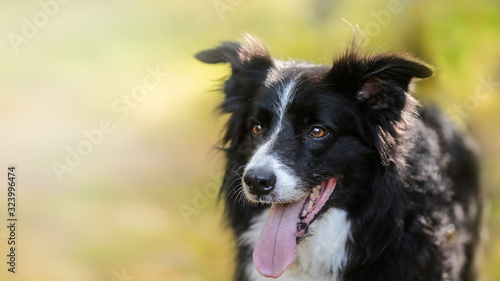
(260, 182)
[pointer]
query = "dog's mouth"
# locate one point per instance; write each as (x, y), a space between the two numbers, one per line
(285, 227)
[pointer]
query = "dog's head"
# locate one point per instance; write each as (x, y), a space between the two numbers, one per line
(304, 131)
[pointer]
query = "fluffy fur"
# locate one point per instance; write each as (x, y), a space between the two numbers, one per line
(406, 201)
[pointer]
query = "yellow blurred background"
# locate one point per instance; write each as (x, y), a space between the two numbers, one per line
(110, 120)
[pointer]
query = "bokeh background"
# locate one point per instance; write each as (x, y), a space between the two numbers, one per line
(141, 204)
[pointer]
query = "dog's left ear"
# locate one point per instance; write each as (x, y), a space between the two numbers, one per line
(377, 82)
(380, 86)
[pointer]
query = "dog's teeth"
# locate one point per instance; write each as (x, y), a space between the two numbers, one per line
(315, 192)
(304, 213)
(310, 205)
(313, 195)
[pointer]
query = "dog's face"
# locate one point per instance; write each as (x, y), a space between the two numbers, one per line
(298, 134)
(308, 135)
(299, 124)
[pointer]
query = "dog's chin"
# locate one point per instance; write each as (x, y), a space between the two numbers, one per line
(312, 201)
(286, 225)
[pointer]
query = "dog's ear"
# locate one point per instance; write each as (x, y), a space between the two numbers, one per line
(380, 87)
(250, 63)
(377, 82)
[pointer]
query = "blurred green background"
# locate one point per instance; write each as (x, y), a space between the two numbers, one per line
(140, 204)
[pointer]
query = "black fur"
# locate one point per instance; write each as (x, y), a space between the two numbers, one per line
(406, 178)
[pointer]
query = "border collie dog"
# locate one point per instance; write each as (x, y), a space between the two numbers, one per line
(336, 173)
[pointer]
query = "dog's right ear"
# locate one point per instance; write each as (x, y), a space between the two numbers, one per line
(247, 58)
(250, 63)
(226, 52)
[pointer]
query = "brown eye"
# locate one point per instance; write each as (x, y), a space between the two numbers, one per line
(318, 132)
(257, 129)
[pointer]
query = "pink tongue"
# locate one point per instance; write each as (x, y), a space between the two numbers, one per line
(277, 244)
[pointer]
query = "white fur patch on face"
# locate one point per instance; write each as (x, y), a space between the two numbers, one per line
(319, 256)
(286, 188)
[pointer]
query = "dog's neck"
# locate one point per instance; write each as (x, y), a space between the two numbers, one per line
(319, 257)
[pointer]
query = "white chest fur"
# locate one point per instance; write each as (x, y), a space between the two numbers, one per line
(319, 257)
